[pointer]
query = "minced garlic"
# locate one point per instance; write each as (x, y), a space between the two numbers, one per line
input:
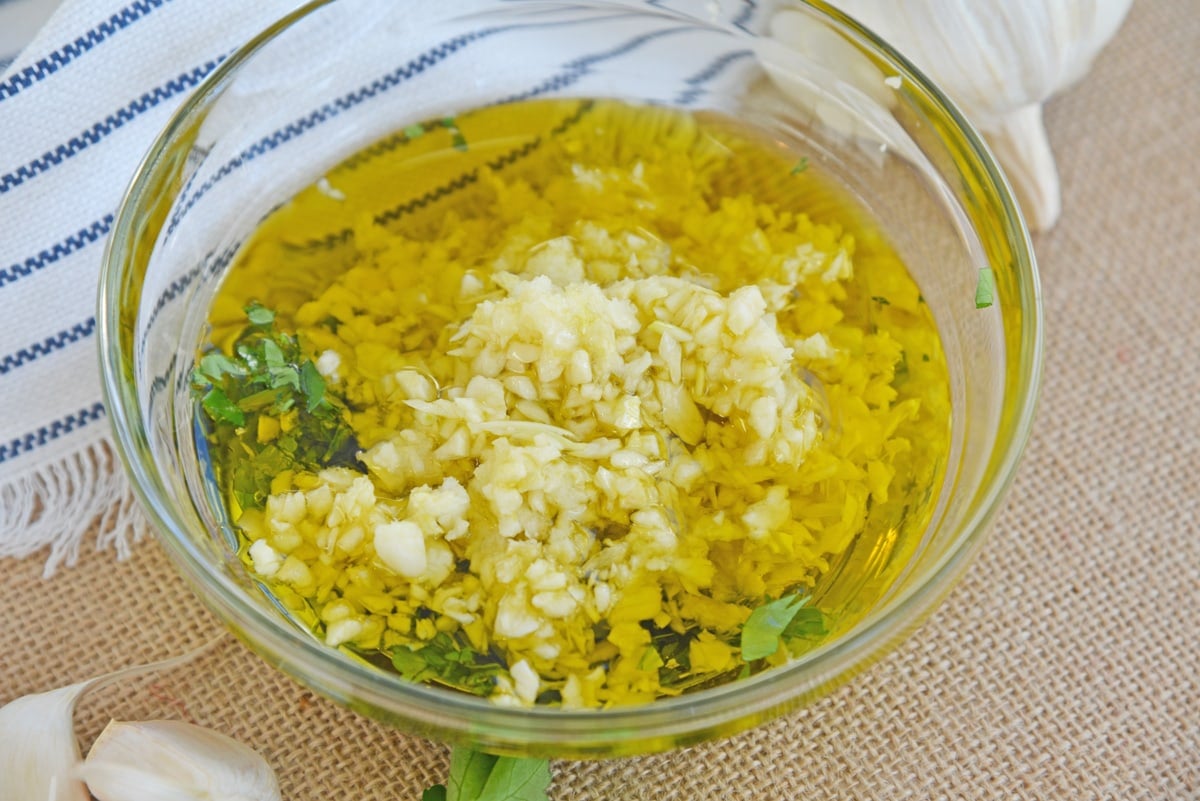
(598, 402)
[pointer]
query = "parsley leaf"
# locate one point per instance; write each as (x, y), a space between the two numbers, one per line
(475, 776)
(469, 772)
(516, 780)
(214, 364)
(800, 166)
(762, 631)
(985, 290)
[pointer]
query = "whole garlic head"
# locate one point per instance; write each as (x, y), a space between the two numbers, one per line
(1000, 60)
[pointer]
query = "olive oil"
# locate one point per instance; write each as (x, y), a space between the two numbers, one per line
(630, 392)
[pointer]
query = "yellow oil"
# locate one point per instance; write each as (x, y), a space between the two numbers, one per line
(411, 184)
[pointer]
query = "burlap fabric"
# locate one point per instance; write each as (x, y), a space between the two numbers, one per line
(1063, 666)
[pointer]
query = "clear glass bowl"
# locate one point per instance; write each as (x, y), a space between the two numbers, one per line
(336, 76)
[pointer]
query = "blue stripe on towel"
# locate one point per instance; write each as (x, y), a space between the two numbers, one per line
(181, 83)
(746, 14)
(573, 71)
(60, 58)
(48, 433)
(212, 265)
(59, 341)
(332, 109)
(579, 68)
(696, 82)
(76, 241)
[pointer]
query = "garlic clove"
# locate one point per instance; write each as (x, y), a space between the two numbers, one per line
(1020, 144)
(169, 760)
(38, 749)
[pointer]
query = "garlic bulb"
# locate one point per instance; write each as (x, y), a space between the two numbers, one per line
(1000, 61)
(168, 760)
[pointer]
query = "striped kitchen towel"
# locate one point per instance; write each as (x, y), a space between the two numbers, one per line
(79, 107)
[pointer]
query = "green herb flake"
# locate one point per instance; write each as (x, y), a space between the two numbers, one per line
(766, 624)
(414, 131)
(312, 386)
(258, 401)
(800, 166)
(409, 664)
(259, 315)
(985, 290)
(651, 660)
(808, 624)
(214, 365)
(221, 409)
(881, 300)
(273, 355)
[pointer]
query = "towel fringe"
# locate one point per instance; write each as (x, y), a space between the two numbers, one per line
(61, 504)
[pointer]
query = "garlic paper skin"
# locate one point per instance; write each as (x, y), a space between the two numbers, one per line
(1000, 60)
(168, 760)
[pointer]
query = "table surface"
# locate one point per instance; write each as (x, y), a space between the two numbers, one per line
(1065, 663)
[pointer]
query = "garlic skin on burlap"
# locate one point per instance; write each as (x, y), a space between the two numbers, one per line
(156, 761)
(1000, 60)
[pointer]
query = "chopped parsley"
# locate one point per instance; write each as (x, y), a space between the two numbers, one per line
(800, 166)
(446, 661)
(268, 410)
(780, 622)
(763, 629)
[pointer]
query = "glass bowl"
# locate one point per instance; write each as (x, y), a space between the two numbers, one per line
(337, 76)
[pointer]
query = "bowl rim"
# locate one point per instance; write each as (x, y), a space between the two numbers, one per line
(656, 725)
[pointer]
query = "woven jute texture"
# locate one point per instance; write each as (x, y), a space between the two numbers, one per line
(1063, 666)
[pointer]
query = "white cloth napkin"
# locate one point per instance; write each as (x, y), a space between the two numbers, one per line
(79, 106)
